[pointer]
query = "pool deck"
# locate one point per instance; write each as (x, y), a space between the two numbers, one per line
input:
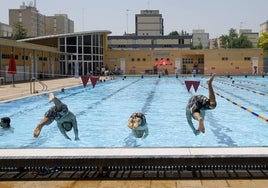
(8, 92)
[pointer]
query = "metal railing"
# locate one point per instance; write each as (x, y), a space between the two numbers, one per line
(32, 85)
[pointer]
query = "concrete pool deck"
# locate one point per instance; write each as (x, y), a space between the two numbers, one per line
(8, 92)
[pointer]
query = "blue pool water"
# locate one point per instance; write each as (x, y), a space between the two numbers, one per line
(102, 114)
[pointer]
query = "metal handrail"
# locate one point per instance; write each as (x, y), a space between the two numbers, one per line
(32, 85)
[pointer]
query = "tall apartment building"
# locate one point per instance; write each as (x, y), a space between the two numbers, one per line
(37, 24)
(58, 24)
(149, 23)
(30, 18)
(264, 27)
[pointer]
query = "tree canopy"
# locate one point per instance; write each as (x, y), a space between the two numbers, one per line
(263, 41)
(19, 32)
(179, 33)
(233, 40)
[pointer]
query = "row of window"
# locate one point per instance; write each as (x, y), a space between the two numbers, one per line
(98, 51)
(84, 57)
(7, 56)
(226, 58)
(191, 60)
(94, 40)
(144, 59)
(84, 49)
(24, 57)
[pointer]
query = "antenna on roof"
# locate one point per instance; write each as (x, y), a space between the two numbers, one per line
(127, 19)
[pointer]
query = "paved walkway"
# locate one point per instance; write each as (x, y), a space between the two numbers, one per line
(8, 92)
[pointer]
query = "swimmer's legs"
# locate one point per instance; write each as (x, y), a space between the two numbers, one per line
(211, 91)
(56, 101)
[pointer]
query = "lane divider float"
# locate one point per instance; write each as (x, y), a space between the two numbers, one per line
(243, 88)
(242, 107)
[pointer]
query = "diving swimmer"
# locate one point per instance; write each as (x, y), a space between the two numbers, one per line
(65, 119)
(198, 104)
(137, 123)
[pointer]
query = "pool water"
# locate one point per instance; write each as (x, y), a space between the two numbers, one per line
(102, 114)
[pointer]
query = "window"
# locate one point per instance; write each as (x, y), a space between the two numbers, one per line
(200, 60)
(87, 40)
(24, 57)
(87, 50)
(62, 48)
(71, 49)
(187, 60)
(71, 40)
(62, 41)
(247, 58)
(224, 58)
(87, 57)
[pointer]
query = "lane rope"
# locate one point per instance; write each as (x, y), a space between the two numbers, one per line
(243, 88)
(242, 107)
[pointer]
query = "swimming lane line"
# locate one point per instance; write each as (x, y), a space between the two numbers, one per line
(242, 107)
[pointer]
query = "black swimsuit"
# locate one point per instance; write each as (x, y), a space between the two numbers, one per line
(199, 102)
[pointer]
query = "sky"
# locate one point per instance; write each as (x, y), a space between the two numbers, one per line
(216, 17)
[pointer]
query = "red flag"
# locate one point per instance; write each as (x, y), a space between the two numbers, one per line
(85, 80)
(195, 84)
(94, 80)
(188, 84)
(12, 65)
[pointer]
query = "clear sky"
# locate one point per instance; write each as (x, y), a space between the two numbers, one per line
(216, 17)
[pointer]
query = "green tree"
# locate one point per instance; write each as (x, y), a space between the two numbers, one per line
(182, 33)
(174, 33)
(234, 41)
(243, 42)
(19, 32)
(263, 41)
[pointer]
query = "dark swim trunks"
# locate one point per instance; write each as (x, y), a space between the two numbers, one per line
(199, 102)
(53, 114)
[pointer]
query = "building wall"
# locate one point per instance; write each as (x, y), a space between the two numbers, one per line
(252, 36)
(31, 60)
(5, 30)
(264, 27)
(233, 61)
(38, 24)
(150, 42)
(220, 61)
(200, 37)
(30, 18)
(58, 24)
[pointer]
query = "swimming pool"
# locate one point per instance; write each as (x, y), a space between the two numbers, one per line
(102, 114)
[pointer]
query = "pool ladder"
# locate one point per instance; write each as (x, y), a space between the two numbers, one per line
(32, 85)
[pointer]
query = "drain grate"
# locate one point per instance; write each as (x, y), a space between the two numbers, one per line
(134, 172)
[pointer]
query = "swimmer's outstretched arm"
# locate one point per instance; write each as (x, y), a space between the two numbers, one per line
(189, 120)
(74, 122)
(63, 132)
(40, 125)
(146, 132)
